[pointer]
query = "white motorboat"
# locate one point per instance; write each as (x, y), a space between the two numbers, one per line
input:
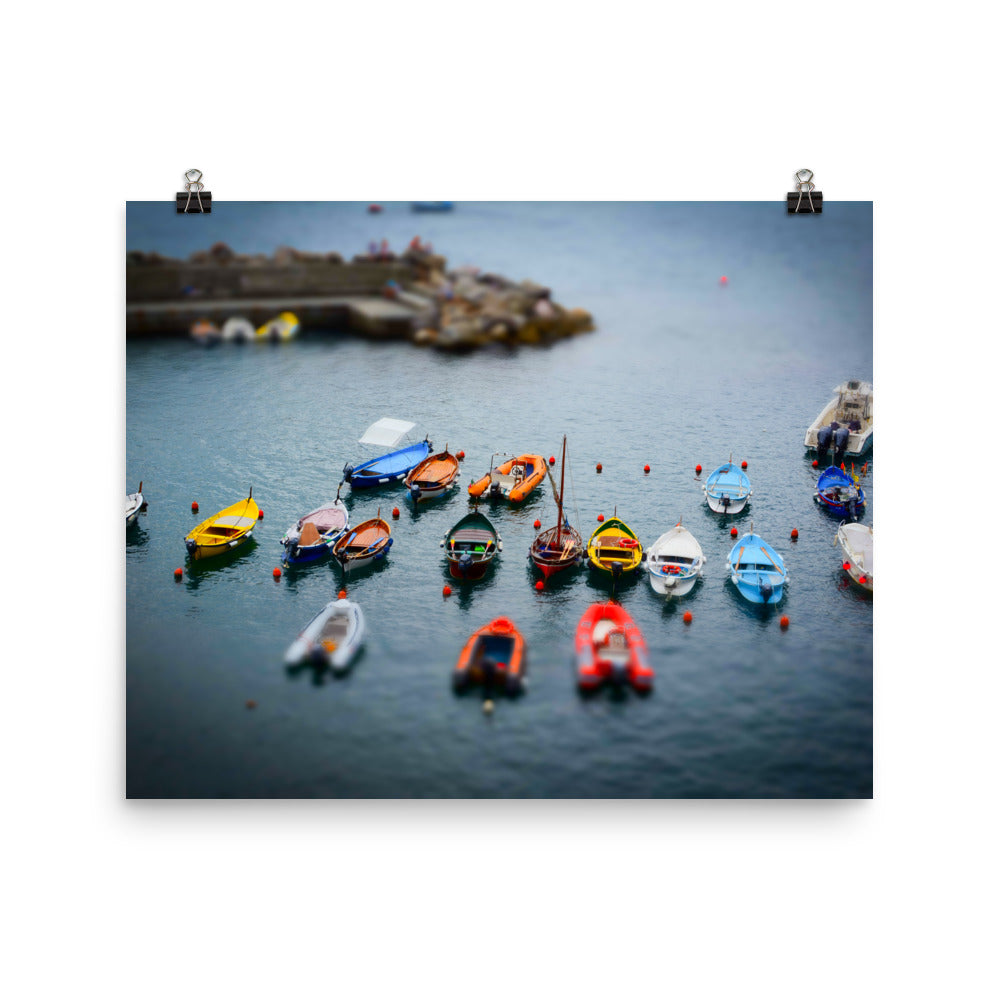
(674, 562)
(845, 423)
(134, 502)
(238, 330)
(333, 637)
(857, 544)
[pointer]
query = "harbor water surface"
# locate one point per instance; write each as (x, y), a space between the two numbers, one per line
(681, 370)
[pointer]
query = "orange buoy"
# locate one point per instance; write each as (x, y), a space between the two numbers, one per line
(395, 512)
(539, 585)
(341, 595)
(260, 514)
(784, 621)
(723, 280)
(600, 517)
(815, 463)
(178, 573)
(733, 532)
(697, 470)
(688, 617)
(847, 566)
(460, 455)
(251, 703)
(552, 459)
(795, 533)
(276, 573)
(538, 524)
(743, 464)
(645, 468)
(599, 466)
(446, 592)
(194, 506)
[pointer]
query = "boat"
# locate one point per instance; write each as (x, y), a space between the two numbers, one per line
(369, 542)
(674, 562)
(610, 647)
(333, 638)
(284, 326)
(432, 476)
(513, 479)
(238, 330)
(471, 546)
(392, 466)
(134, 503)
(315, 533)
(728, 489)
(432, 206)
(205, 332)
(561, 547)
(614, 548)
(845, 423)
(857, 544)
(224, 531)
(757, 570)
(840, 493)
(493, 656)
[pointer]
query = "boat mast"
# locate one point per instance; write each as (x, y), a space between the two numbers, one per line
(562, 480)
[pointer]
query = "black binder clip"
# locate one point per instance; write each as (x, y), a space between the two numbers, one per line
(813, 199)
(202, 203)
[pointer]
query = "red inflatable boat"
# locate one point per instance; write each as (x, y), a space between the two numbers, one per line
(610, 647)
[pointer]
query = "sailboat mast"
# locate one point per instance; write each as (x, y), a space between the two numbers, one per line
(562, 480)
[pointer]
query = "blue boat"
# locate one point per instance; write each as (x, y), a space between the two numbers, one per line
(840, 493)
(431, 206)
(728, 489)
(392, 466)
(757, 570)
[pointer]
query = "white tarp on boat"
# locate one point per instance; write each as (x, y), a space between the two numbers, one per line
(386, 432)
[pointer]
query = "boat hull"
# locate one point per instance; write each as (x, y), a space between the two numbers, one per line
(553, 551)
(219, 549)
(757, 570)
(672, 586)
(611, 649)
(432, 477)
(223, 532)
(857, 544)
(614, 549)
(474, 571)
(336, 646)
(493, 656)
(751, 590)
(727, 490)
(390, 468)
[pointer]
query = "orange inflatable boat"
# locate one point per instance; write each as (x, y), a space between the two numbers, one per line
(493, 657)
(610, 647)
(513, 479)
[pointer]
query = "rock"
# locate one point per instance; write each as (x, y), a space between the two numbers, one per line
(333, 258)
(221, 253)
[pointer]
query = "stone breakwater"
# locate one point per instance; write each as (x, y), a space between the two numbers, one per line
(411, 296)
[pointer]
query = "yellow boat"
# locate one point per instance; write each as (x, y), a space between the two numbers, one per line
(283, 327)
(224, 531)
(614, 548)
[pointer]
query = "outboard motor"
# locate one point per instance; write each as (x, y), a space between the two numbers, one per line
(348, 472)
(464, 563)
(415, 491)
(316, 656)
(725, 501)
(840, 439)
(616, 570)
(495, 490)
(852, 509)
(190, 544)
(824, 436)
(766, 590)
(619, 673)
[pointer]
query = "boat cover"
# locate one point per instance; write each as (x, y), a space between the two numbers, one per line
(386, 432)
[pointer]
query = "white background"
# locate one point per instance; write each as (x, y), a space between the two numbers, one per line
(894, 897)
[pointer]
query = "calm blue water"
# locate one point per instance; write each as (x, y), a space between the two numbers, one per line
(680, 371)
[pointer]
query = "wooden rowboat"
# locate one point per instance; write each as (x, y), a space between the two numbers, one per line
(614, 548)
(369, 542)
(561, 547)
(432, 476)
(224, 531)
(471, 546)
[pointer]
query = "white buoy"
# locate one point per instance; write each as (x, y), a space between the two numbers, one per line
(488, 707)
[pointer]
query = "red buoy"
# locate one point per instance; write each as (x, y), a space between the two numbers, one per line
(795, 533)
(697, 470)
(723, 280)
(599, 466)
(784, 621)
(733, 532)
(552, 459)
(178, 573)
(251, 703)
(600, 517)
(341, 595)
(645, 468)
(446, 592)
(862, 579)
(743, 464)
(538, 524)
(847, 566)
(194, 506)
(395, 512)
(843, 468)
(276, 573)
(688, 617)
(260, 514)
(539, 585)
(460, 455)
(815, 463)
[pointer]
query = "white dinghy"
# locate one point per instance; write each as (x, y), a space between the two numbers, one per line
(134, 502)
(333, 637)
(674, 562)
(857, 544)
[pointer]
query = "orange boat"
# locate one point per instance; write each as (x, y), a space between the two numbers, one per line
(493, 656)
(514, 479)
(609, 646)
(432, 476)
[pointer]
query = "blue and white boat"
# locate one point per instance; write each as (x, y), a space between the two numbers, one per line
(393, 466)
(757, 570)
(728, 489)
(315, 533)
(840, 493)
